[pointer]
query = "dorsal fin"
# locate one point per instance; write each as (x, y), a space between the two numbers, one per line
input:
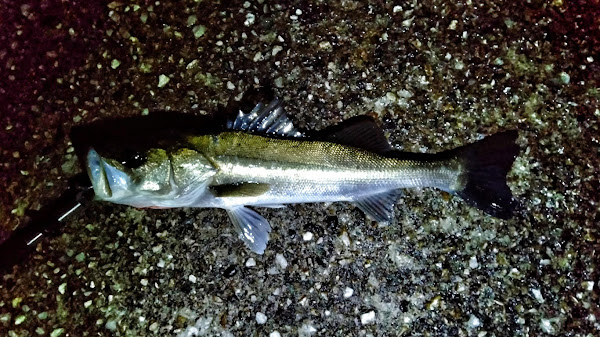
(361, 132)
(268, 120)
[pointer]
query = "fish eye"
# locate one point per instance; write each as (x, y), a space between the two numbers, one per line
(133, 159)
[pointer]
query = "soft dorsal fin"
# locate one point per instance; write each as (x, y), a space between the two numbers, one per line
(269, 120)
(361, 132)
(379, 206)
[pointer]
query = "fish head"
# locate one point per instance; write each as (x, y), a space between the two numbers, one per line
(151, 178)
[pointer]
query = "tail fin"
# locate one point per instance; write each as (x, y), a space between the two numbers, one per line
(486, 164)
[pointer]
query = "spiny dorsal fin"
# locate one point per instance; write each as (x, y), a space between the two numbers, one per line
(239, 190)
(379, 206)
(361, 132)
(268, 120)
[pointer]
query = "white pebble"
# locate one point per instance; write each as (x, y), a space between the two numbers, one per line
(230, 85)
(250, 263)
(192, 278)
(261, 318)
(307, 236)
(453, 24)
(474, 322)
(348, 292)
(275, 334)
(306, 330)
(111, 325)
(546, 326)
(345, 239)
(278, 82)
(281, 261)
(367, 318)
(276, 50)
(163, 80)
(144, 282)
(473, 262)
(537, 294)
(249, 19)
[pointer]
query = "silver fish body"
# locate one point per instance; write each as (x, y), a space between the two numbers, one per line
(262, 160)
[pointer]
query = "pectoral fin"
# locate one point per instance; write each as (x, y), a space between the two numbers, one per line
(379, 206)
(253, 229)
(239, 190)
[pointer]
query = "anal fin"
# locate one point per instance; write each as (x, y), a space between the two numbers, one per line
(379, 206)
(253, 229)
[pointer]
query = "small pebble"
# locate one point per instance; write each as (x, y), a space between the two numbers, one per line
(275, 334)
(348, 292)
(192, 278)
(261, 318)
(307, 236)
(345, 239)
(537, 294)
(367, 318)
(198, 31)
(57, 332)
(163, 80)
(111, 325)
(474, 322)
(565, 78)
(250, 263)
(278, 82)
(191, 20)
(19, 319)
(546, 326)
(306, 330)
(281, 261)
(473, 264)
(276, 50)
(249, 19)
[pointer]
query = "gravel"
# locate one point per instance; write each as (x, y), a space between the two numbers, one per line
(437, 74)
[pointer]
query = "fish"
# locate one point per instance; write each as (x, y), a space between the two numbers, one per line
(260, 159)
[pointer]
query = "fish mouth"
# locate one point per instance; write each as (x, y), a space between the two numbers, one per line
(97, 173)
(110, 180)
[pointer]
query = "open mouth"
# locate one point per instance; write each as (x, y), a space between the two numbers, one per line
(111, 181)
(97, 174)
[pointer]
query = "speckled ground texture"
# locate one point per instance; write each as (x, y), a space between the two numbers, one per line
(437, 74)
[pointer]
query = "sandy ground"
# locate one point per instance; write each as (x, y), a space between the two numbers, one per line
(437, 74)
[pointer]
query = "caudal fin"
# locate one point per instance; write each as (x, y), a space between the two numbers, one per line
(486, 164)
